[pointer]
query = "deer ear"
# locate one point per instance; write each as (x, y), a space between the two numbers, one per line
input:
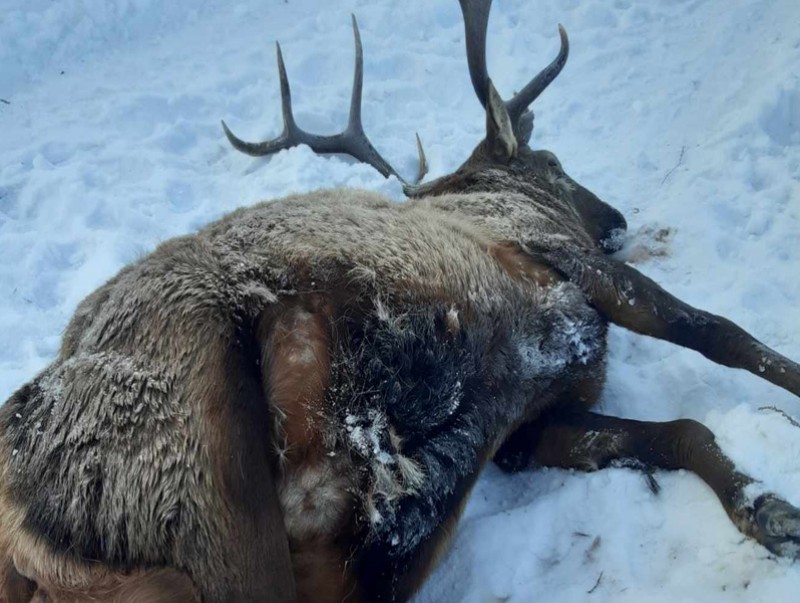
(524, 127)
(500, 139)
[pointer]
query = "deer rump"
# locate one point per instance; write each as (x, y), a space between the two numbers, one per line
(294, 403)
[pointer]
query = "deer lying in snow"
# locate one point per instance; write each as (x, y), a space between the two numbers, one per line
(294, 403)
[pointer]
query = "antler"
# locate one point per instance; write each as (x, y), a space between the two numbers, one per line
(351, 141)
(476, 20)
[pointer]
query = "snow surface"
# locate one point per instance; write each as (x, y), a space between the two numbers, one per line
(684, 114)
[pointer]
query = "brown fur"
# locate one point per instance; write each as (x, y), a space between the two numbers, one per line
(159, 586)
(323, 573)
(518, 264)
(297, 359)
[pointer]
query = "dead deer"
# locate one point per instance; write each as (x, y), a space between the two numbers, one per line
(294, 403)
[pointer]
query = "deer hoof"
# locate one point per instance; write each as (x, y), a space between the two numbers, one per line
(777, 526)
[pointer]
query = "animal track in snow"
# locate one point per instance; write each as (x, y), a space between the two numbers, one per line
(781, 119)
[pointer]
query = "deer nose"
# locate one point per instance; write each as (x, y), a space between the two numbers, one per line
(613, 235)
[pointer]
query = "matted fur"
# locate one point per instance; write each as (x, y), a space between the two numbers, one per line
(117, 427)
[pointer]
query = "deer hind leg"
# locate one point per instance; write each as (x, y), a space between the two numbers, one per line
(315, 488)
(588, 441)
(628, 298)
(240, 554)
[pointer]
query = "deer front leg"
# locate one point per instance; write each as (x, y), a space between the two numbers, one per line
(628, 298)
(588, 441)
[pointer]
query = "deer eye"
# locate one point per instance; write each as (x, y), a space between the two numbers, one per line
(553, 163)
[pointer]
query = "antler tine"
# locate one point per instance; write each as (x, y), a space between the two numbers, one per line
(354, 137)
(522, 99)
(476, 21)
(289, 124)
(423, 162)
(352, 141)
(291, 134)
(358, 79)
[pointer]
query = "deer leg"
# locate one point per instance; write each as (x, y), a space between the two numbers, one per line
(254, 543)
(237, 550)
(628, 298)
(575, 439)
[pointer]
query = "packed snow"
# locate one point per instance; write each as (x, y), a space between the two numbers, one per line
(683, 114)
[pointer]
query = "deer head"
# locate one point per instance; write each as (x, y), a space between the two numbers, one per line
(505, 153)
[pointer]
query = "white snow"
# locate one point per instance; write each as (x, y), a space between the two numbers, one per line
(365, 434)
(684, 114)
